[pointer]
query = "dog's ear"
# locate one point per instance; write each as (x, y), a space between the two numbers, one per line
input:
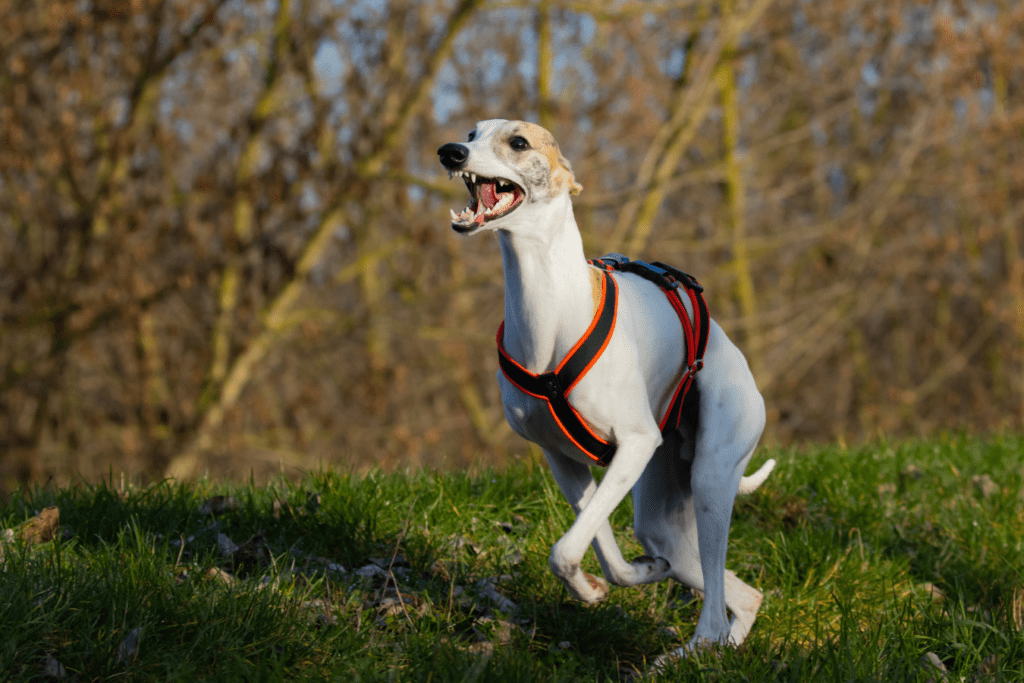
(562, 178)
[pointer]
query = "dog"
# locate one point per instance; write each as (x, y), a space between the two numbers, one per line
(683, 482)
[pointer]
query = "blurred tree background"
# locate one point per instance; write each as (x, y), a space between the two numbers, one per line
(224, 242)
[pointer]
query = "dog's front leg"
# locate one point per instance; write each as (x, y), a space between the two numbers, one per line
(578, 486)
(593, 505)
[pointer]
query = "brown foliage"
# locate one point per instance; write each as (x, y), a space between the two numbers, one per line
(224, 244)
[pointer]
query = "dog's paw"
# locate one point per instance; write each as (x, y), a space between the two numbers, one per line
(661, 662)
(598, 589)
(652, 566)
(586, 587)
(699, 642)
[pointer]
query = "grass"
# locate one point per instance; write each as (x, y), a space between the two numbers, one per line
(870, 559)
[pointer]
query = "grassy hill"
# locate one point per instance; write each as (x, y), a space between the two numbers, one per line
(889, 562)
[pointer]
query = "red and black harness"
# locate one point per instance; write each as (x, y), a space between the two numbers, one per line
(554, 387)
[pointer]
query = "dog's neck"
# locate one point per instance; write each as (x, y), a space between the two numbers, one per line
(550, 290)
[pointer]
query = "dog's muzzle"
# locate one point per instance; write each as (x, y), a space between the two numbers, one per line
(453, 156)
(489, 198)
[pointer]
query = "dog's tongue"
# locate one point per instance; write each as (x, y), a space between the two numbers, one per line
(488, 194)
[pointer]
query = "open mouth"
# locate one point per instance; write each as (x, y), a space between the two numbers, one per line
(490, 198)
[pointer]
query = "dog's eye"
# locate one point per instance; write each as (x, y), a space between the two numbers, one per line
(519, 143)
(472, 134)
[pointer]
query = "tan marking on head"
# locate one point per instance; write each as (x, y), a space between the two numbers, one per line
(562, 178)
(543, 142)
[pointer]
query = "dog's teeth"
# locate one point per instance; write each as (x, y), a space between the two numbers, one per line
(503, 204)
(472, 176)
(455, 216)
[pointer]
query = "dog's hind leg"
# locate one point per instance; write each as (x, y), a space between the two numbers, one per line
(742, 600)
(730, 424)
(666, 525)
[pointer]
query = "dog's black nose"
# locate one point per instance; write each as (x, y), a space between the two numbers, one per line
(453, 155)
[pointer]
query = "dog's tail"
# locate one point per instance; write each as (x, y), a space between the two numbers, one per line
(750, 484)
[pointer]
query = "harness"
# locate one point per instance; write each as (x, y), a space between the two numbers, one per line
(554, 387)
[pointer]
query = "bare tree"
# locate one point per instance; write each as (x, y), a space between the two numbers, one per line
(223, 243)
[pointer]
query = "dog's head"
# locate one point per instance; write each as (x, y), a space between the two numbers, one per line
(508, 167)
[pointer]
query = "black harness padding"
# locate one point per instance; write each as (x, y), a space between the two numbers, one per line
(554, 387)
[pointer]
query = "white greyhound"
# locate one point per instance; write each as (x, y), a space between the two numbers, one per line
(684, 482)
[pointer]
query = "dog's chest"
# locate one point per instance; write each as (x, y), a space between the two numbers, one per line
(531, 418)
